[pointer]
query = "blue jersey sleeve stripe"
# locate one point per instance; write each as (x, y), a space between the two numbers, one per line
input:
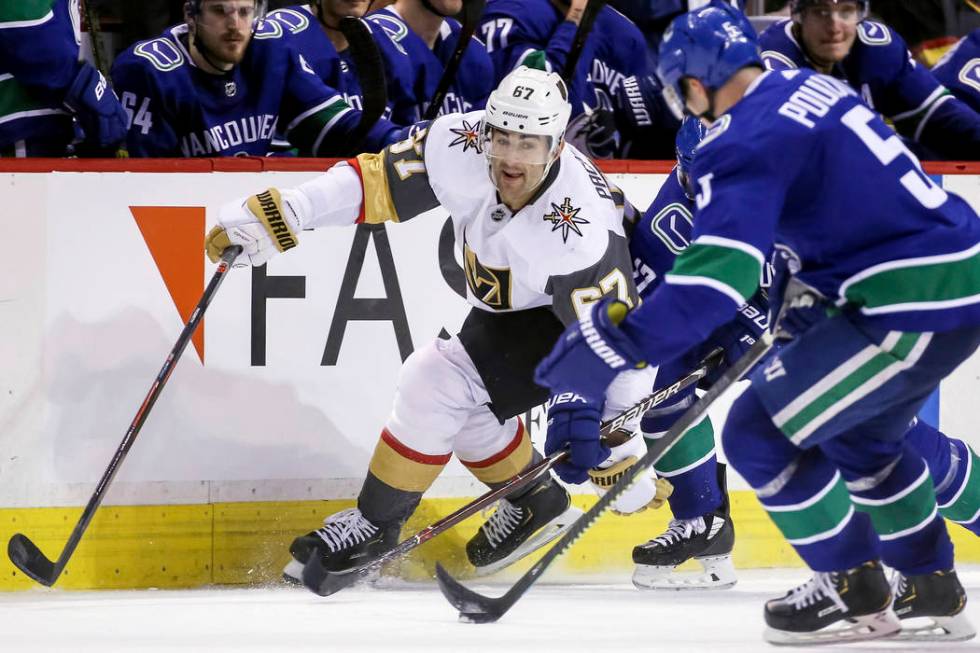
(312, 110)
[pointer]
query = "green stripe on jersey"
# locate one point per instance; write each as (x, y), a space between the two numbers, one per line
(817, 518)
(965, 504)
(15, 98)
(934, 282)
(904, 513)
(16, 11)
(728, 266)
(312, 134)
(697, 444)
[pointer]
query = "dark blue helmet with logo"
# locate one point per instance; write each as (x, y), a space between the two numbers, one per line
(688, 138)
(710, 45)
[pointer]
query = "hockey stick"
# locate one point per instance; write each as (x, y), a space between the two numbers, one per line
(477, 608)
(325, 583)
(472, 10)
(20, 549)
(589, 15)
(370, 73)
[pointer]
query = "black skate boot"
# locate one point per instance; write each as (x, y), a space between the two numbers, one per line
(931, 607)
(834, 607)
(346, 540)
(708, 539)
(521, 525)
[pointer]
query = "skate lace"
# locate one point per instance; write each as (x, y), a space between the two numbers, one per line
(822, 584)
(345, 528)
(680, 529)
(898, 584)
(502, 522)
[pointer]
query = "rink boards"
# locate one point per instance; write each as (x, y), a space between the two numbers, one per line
(278, 403)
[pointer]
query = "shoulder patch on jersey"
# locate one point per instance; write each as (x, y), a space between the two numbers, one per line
(267, 29)
(775, 60)
(395, 28)
(162, 53)
(666, 226)
(719, 127)
(970, 73)
(468, 136)
(872, 33)
(565, 218)
(295, 21)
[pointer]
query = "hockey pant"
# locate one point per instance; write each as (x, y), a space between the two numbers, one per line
(822, 436)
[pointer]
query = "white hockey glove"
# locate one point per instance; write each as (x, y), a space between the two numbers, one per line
(647, 492)
(263, 224)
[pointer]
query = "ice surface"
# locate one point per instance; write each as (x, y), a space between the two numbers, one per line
(566, 618)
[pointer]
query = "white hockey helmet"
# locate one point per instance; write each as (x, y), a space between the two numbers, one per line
(528, 101)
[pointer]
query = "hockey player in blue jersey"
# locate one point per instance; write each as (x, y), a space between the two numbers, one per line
(790, 162)
(517, 29)
(959, 70)
(833, 37)
(315, 34)
(427, 31)
(222, 83)
(44, 87)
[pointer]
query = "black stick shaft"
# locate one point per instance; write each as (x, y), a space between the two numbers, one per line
(592, 10)
(52, 572)
(472, 10)
(332, 582)
(482, 609)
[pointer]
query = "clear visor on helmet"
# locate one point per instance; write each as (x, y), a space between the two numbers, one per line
(674, 101)
(514, 147)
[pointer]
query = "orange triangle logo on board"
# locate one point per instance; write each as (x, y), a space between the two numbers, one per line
(175, 237)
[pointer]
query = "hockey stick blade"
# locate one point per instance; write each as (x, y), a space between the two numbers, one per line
(24, 553)
(477, 608)
(28, 558)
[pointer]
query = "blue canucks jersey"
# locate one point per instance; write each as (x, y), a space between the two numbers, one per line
(474, 78)
(867, 228)
(959, 70)
(880, 67)
(338, 70)
(516, 29)
(179, 110)
(39, 52)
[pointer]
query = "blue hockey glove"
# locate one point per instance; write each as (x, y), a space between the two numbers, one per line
(573, 422)
(590, 353)
(97, 108)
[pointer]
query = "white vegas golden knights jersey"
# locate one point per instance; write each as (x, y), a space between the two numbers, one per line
(566, 248)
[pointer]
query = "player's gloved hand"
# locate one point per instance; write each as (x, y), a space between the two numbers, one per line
(97, 108)
(590, 353)
(594, 133)
(647, 492)
(263, 224)
(573, 422)
(794, 306)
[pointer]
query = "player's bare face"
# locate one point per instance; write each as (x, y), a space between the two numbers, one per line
(334, 10)
(828, 31)
(517, 164)
(224, 27)
(447, 7)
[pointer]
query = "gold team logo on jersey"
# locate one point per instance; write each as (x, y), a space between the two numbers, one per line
(565, 217)
(490, 285)
(468, 136)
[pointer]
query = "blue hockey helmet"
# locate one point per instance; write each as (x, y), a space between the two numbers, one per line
(688, 138)
(710, 45)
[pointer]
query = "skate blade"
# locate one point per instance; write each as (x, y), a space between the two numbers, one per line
(545, 534)
(937, 629)
(855, 629)
(718, 574)
(293, 572)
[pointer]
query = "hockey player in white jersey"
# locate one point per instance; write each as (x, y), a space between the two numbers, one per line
(541, 238)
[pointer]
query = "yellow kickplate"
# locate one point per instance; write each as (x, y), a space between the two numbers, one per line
(135, 547)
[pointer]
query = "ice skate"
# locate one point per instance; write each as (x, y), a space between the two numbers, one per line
(520, 526)
(834, 607)
(346, 540)
(708, 540)
(931, 607)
